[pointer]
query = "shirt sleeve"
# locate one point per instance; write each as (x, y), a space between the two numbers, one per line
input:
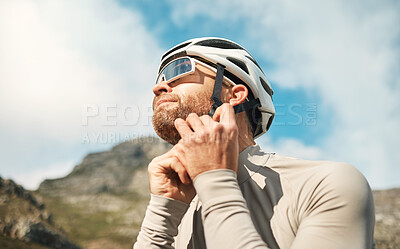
(226, 218)
(160, 224)
(336, 212)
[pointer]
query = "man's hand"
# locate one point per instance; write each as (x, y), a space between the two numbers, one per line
(168, 177)
(209, 143)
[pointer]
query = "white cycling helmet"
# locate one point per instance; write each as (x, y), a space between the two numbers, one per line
(235, 63)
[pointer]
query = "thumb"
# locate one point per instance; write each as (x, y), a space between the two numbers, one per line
(224, 114)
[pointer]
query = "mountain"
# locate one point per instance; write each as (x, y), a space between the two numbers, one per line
(25, 222)
(101, 203)
(108, 171)
(387, 218)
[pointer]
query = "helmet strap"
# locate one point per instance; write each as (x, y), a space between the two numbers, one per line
(216, 95)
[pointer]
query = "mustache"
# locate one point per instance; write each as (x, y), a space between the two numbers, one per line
(165, 96)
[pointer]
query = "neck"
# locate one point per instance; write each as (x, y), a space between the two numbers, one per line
(245, 137)
(245, 142)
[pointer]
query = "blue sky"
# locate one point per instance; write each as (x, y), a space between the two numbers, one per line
(70, 69)
(169, 33)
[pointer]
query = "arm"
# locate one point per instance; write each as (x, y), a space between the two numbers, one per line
(211, 156)
(341, 215)
(160, 224)
(339, 212)
(171, 192)
(227, 222)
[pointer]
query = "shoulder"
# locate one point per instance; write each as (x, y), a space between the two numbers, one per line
(338, 188)
(319, 182)
(343, 176)
(316, 172)
(312, 181)
(339, 178)
(348, 186)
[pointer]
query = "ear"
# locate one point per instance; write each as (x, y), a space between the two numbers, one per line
(239, 94)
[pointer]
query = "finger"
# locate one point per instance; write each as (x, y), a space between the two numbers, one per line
(195, 122)
(173, 164)
(179, 152)
(168, 154)
(225, 114)
(207, 120)
(178, 167)
(182, 128)
(218, 113)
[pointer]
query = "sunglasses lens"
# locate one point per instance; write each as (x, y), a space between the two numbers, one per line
(175, 69)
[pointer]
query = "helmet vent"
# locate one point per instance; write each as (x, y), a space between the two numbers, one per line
(238, 63)
(174, 49)
(217, 43)
(266, 87)
(254, 61)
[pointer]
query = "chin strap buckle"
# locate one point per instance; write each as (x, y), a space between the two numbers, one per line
(247, 105)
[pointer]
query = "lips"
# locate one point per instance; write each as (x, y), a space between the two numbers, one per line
(164, 101)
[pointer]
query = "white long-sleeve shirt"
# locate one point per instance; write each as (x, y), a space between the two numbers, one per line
(272, 202)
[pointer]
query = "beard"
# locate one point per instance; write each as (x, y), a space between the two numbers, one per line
(164, 116)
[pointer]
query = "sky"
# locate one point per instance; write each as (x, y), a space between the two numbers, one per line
(76, 77)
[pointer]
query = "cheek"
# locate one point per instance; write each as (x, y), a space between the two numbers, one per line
(194, 86)
(225, 95)
(188, 90)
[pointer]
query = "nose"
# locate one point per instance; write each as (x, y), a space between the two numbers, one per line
(161, 87)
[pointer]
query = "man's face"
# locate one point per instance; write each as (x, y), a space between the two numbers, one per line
(189, 94)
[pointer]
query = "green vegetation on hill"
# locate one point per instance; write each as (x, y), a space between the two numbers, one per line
(105, 220)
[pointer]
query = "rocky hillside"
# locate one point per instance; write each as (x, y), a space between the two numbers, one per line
(387, 217)
(101, 203)
(108, 171)
(25, 222)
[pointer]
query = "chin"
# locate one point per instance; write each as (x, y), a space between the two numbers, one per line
(165, 115)
(163, 124)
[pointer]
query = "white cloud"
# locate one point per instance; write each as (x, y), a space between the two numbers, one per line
(31, 180)
(57, 57)
(348, 52)
(292, 148)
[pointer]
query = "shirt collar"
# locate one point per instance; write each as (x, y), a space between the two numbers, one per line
(249, 158)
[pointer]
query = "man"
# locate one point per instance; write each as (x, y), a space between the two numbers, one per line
(216, 188)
